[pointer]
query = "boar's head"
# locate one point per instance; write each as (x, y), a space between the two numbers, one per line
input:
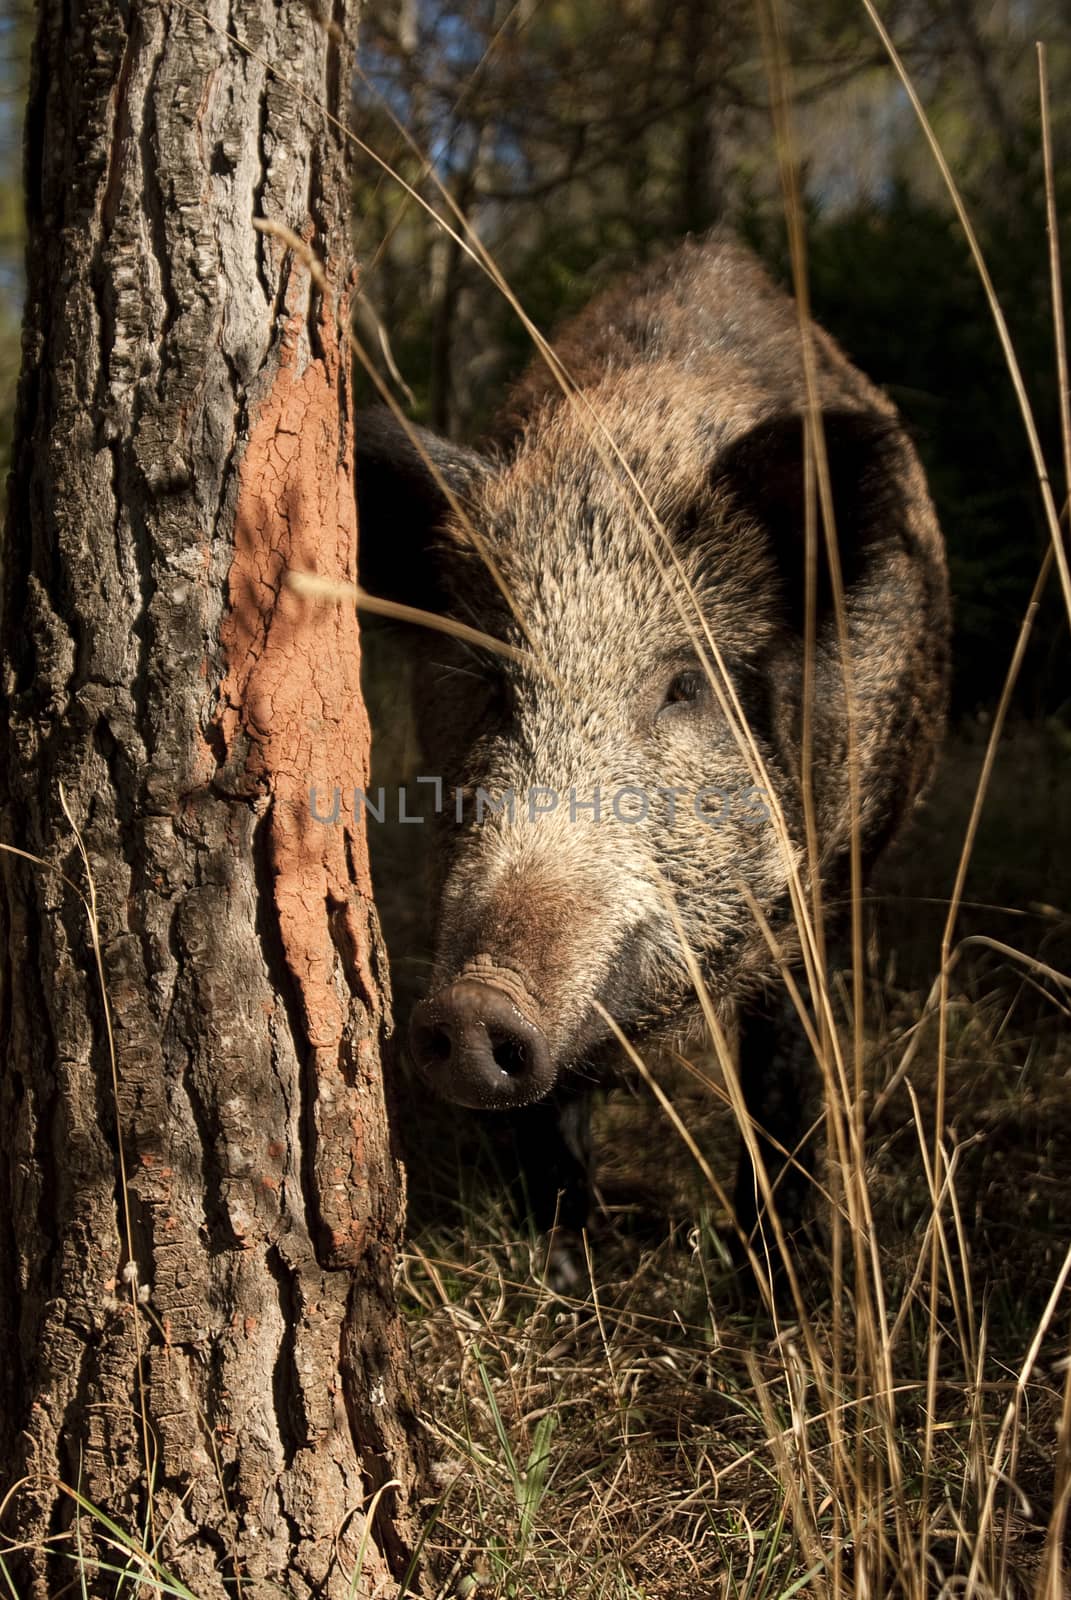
(618, 827)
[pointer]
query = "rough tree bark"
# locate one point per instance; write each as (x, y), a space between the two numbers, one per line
(197, 1323)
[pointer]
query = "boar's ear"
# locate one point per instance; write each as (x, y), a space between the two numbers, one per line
(401, 504)
(867, 470)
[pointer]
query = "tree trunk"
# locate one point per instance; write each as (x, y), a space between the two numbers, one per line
(700, 203)
(198, 1224)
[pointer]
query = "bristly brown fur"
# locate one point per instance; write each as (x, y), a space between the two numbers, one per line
(690, 385)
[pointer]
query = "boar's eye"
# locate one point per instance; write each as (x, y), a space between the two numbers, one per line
(683, 690)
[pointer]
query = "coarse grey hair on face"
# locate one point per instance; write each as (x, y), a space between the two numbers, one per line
(629, 542)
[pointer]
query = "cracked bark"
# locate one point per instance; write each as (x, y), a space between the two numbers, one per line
(184, 435)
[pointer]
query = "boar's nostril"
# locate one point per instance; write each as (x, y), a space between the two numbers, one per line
(511, 1054)
(475, 1046)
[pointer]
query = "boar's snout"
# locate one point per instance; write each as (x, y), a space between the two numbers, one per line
(473, 1045)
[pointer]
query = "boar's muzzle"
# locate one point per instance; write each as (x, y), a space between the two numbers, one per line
(474, 1045)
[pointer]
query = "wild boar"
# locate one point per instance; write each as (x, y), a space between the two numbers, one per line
(635, 542)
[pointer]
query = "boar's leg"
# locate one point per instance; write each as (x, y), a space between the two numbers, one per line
(552, 1141)
(780, 1081)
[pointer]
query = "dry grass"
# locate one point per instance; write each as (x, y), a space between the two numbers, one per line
(691, 1450)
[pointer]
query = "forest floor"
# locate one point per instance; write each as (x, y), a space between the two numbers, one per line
(655, 1431)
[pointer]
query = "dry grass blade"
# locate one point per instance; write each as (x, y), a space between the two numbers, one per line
(1059, 330)
(308, 584)
(1051, 515)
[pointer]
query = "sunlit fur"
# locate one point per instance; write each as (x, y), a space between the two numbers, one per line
(690, 383)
